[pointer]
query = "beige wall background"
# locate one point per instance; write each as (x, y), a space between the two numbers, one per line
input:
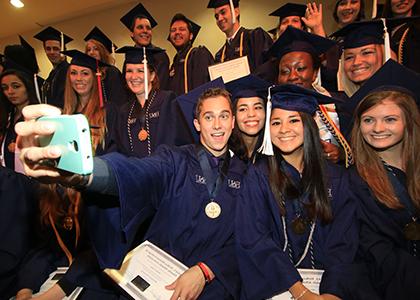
(254, 13)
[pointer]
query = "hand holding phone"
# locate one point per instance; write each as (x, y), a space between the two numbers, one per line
(72, 137)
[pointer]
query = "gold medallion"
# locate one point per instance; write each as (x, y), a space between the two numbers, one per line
(143, 135)
(12, 147)
(213, 210)
(412, 231)
(68, 223)
(299, 225)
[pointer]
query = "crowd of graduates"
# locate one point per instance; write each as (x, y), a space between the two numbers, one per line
(310, 162)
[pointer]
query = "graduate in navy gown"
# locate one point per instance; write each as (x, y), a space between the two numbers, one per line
(54, 41)
(190, 190)
(18, 208)
(17, 91)
(386, 143)
(62, 233)
(100, 47)
(249, 96)
(140, 23)
(239, 40)
(189, 68)
(150, 117)
(299, 60)
(295, 209)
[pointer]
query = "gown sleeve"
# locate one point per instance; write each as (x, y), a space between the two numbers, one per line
(265, 269)
(141, 184)
(395, 272)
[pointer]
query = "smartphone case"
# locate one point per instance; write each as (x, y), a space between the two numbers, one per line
(72, 135)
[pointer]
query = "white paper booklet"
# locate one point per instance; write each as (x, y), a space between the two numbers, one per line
(146, 271)
(230, 70)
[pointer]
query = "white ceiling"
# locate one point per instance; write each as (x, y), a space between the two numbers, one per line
(38, 13)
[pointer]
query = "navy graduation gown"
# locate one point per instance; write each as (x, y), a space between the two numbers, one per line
(411, 44)
(199, 59)
(162, 68)
(114, 86)
(46, 255)
(53, 87)
(265, 269)
(10, 139)
(393, 268)
(169, 185)
(18, 208)
(166, 126)
(255, 41)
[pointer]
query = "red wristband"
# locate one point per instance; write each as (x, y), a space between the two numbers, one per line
(205, 271)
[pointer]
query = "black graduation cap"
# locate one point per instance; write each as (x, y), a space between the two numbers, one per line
(392, 76)
(138, 11)
(194, 27)
(293, 39)
(81, 59)
(98, 35)
(187, 103)
(297, 98)
(51, 33)
(20, 58)
(358, 34)
(289, 9)
(135, 55)
(34, 68)
(218, 3)
(294, 98)
(247, 87)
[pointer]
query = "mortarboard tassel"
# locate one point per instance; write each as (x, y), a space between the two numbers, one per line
(38, 95)
(99, 78)
(386, 42)
(146, 79)
(267, 147)
(62, 41)
(232, 9)
(374, 8)
(113, 51)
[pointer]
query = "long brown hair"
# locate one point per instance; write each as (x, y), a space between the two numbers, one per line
(93, 112)
(313, 177)
(368, 161)
(56, 206)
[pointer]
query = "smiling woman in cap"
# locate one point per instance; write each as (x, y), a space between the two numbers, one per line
(249, 96)
(151, 116)
(386, 142)
(406, 36)
(348, 11)
(295, 210)
(100, 47)
(299, 62)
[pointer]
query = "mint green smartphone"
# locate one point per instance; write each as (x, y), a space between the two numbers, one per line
(72, 135)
